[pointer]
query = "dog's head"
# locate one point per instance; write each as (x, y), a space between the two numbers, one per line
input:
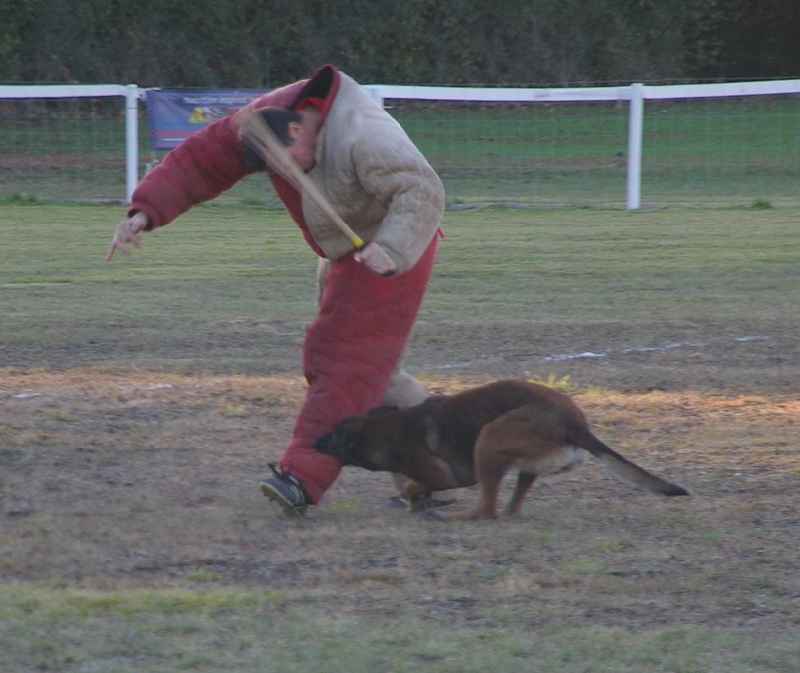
(366, 440)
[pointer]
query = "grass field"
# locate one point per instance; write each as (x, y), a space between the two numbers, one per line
(141, 399)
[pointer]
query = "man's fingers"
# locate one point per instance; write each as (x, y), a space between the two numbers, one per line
(376, 259)
(117, 245)
(127, 232)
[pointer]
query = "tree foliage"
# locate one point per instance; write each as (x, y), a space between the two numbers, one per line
(260, 43)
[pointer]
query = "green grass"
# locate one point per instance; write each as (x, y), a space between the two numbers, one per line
(238, 630)
(228, 267)
(218, 265)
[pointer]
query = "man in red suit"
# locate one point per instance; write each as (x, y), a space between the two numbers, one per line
(365, 165)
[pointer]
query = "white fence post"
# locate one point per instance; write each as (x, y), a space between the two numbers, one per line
(375, 91)
(635, 126)
(131, 140)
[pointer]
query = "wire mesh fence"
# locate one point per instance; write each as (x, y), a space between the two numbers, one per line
(62, 149)
(730, 151)
(548, 154)
(722, 151)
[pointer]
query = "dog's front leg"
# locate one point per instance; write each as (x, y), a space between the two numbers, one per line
(417, 495)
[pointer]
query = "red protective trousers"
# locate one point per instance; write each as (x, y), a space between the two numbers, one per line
(349, 354)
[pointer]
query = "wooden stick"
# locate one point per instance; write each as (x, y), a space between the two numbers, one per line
(261, 138)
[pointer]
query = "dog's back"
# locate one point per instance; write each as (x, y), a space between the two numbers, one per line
(461, 417)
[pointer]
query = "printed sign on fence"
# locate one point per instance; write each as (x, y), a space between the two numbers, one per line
(175, 114)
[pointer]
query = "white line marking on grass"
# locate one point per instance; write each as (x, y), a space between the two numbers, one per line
(650, 349)
(596, 355)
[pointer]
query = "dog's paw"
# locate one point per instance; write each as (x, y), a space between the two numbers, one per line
(427, 501)
(432, 514)
(421, 503)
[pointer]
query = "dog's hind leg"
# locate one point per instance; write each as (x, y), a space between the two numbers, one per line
(491, 465)
(524, 482)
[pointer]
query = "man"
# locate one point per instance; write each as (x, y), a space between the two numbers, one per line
(381, 185)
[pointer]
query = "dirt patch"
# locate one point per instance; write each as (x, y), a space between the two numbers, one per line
(735, 357)
(123, 478)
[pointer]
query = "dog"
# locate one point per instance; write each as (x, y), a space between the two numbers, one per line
(476, 436)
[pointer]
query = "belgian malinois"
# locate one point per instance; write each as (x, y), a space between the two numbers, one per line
(476, 436)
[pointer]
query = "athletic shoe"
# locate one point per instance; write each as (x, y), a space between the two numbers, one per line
(286, 490)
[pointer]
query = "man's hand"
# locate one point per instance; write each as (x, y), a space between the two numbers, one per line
(127, 232)
(376, 259)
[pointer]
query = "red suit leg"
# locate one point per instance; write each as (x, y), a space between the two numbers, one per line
(350, 352)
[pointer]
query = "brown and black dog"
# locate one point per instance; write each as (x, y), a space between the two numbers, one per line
(476, 436)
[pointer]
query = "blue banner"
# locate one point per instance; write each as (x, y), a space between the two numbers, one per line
(175, 114)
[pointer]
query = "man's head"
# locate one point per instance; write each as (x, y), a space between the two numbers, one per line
(296, 130)
(279, 119)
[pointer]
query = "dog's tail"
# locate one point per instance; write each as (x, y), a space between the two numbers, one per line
(628, 471)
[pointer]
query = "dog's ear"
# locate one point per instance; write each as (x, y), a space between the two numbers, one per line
(433, 434)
